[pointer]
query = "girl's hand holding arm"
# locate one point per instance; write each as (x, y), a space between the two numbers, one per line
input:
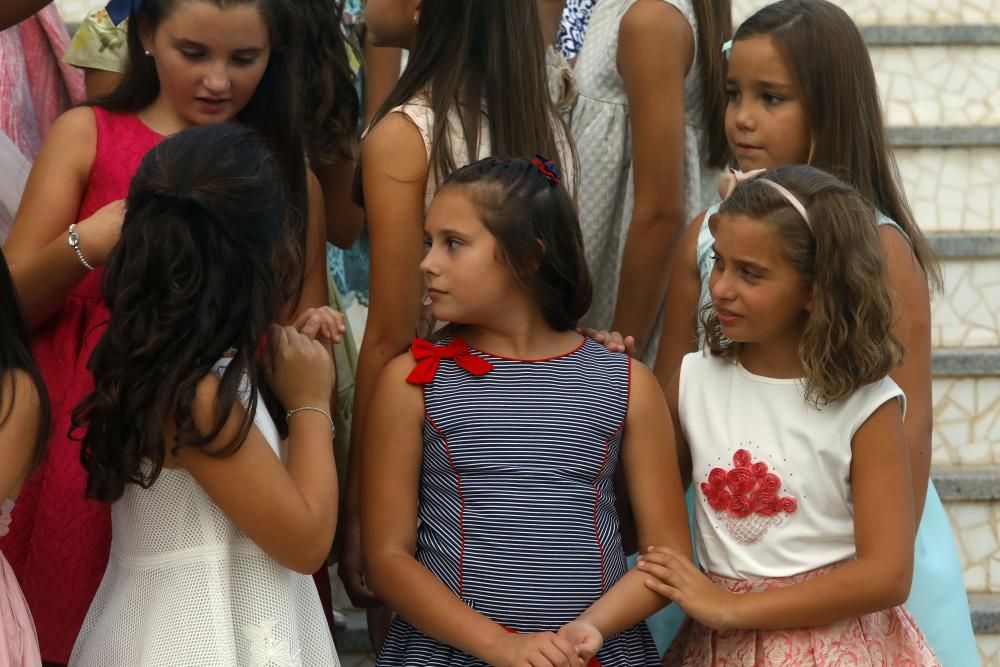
(44, 267)
(612, 340)
(879, 578)
(392, 458)
(395, 177)
(323, 324)
(680, 308)
(289, 510)
(654, 482)
(655, 51)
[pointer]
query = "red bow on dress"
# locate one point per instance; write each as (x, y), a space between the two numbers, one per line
(429, 356)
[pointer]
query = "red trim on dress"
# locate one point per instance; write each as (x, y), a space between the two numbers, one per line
(461, 498)
(534, 361)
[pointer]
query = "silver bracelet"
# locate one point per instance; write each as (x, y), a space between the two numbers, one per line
(74, 242)
(333, 429)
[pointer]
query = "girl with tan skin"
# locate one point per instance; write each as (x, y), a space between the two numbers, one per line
(785, 108)
(489, 519)
(792, 433)
(474, 85)
(207, 63)
(15, 11)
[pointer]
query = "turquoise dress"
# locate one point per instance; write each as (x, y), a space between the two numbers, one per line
(937, 599)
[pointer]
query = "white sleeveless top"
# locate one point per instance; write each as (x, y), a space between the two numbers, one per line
(185, 586)
(771, 475)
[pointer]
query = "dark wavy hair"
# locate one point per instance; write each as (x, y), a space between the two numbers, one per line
(537, 228)
(331, 103)
(833, 71)
(15, 355)
(476, 56)
(274, 111)
(848, 341)
(191, 278)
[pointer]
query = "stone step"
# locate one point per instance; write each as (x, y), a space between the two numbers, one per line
(901, 12)
(965, 314)
(967, 484)
(966, 410)
(928, 35)
(951, 189)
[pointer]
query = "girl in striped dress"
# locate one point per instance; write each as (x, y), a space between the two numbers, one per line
(488, 514)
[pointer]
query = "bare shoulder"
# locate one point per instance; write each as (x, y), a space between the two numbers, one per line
(75, 133)
(395, 146)
(643, 385)
(18, 394)
(654, 18)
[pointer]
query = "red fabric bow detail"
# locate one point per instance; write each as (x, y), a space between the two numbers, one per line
(429, 356)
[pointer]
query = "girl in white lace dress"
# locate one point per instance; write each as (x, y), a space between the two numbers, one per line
(216, 525)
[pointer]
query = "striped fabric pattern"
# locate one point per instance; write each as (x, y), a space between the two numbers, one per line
(517, 503)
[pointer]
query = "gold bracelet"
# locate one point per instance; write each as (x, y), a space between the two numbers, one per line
(333, 429)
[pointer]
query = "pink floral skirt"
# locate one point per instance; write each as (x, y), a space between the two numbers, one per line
(888, 638)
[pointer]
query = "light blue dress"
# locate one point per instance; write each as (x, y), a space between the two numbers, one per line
(938, 600)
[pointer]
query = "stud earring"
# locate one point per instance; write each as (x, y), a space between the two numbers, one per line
(148, 54)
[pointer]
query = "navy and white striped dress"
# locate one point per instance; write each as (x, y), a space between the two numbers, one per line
(517, 504)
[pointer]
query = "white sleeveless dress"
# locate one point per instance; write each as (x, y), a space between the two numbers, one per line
(185, 586)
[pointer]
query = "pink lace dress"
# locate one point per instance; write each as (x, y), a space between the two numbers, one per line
(61, 548)
(18, 644)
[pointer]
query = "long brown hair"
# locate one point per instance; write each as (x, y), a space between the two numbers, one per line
(715, 27)
(469, 53)
(828, 57)
(535, 224)
(847, 341)
(274, 111)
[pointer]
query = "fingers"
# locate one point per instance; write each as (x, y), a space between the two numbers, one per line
(629, 345)
(354, 586)
(325, 324)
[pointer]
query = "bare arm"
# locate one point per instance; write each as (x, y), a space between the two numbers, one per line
(391, 460)
(13, 12)
(382, 68)
(879, 577)
(289, 511)
(395, 176)
(912, 327)
(44, 268)
(654, 484)
(100, 82)
(344, 219)
(314, 281)
(550, 12)
(679, 334)
(655, 50)
(20, 411)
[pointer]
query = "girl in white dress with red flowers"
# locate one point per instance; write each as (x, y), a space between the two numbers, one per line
(792, 433)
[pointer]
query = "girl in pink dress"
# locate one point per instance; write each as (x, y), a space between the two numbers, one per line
(199, 63)
(24, 419)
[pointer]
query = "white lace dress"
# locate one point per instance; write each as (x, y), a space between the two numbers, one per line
(185, 586)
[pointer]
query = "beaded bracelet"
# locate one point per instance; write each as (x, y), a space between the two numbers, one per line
(333, 429)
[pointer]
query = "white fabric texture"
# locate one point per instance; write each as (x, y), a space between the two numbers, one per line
(600, 126)
(14, 169)
(723, 409)
(185, 586)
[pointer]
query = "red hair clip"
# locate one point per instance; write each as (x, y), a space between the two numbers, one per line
(547, 168)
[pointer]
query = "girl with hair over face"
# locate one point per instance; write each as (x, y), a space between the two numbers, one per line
(792, 433)
(489, 520)
(802, 89)
(475, 85)
(191, 62)
(24, 426)
(217, 524)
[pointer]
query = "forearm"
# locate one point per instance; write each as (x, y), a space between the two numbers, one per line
(311, 466)
(377, 349)
(645, 270)
(45, 278)
(418, 596)
(851, 590)
(627, 602)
